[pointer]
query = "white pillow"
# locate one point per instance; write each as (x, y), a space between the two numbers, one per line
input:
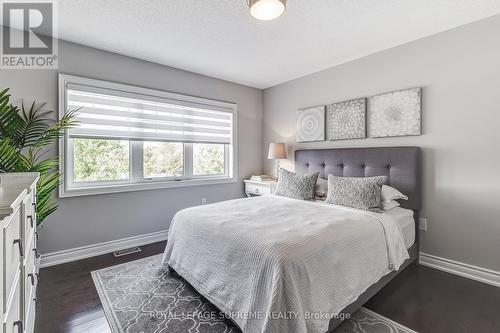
(387, 205)
(321, 187)
(390, 193)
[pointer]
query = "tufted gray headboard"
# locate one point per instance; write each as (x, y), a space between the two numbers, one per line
(400, 164)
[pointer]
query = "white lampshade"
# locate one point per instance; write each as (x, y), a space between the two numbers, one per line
(277, 151)
(266, 10)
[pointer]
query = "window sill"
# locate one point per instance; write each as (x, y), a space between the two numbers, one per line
(106, 189)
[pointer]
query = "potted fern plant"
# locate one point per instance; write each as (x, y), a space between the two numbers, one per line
(27, 139)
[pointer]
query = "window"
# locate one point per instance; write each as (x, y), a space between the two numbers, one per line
(96, 160)
(209, 159)
(131, 138)
(163, 159)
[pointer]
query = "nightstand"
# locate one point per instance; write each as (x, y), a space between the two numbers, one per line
(254, 187)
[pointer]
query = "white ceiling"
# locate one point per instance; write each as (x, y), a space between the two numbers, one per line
(218, 37)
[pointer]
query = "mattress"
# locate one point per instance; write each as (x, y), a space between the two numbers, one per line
(404, 218)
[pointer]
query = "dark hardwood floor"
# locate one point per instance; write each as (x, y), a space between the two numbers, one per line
(67, 299)
(420, 298)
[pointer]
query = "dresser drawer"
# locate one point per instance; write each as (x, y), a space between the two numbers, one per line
(29, 310)
(13, 249)
(258, 189)
(29, 221)
(13, 320)
(30, 279)
(30, 317)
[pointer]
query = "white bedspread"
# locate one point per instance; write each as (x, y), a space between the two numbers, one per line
(275, 264)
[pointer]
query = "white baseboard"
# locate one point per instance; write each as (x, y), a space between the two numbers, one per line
(60, 257)
(459, 268)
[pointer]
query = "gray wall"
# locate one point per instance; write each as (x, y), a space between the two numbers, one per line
(93, 219)
(460, 73)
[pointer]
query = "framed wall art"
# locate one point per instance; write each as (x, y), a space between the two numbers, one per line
(398, 113)
(311, 124)
(346, 120)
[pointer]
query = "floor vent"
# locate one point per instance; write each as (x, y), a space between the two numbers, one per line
(125, 252)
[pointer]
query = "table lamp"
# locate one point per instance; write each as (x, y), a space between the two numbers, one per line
(277, 151)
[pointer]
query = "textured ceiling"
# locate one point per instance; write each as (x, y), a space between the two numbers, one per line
(219, 38)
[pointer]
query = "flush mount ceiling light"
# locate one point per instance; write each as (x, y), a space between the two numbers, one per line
(266, 10)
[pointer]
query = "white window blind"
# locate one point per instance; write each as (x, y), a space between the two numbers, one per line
(115, 114)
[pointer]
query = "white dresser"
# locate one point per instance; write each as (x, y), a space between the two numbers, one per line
(18, 278)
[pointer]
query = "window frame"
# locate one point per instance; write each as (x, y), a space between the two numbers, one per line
(136, 181)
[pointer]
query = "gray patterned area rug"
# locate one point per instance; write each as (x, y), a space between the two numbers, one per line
(143, 297)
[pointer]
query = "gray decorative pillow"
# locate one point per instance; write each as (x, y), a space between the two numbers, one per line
(293, 185)
(357, 192)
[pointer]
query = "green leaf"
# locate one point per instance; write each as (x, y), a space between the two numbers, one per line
(34, 125)
(10, 120)
(46, 204)
(52, 133)
(10, 158)
(45, 166)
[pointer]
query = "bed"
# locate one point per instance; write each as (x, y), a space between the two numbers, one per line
(274, 264)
